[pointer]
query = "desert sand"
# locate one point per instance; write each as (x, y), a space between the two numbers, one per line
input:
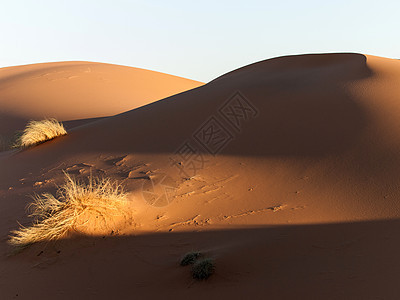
(285, 172)
(77, 92)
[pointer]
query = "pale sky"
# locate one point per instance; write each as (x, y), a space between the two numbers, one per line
(195, 39)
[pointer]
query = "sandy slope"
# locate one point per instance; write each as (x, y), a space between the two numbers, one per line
(78, 90)
(301, 202)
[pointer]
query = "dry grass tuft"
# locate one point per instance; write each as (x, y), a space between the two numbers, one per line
(190, 258)
(203, 269)
(75, 205)
(37, 132)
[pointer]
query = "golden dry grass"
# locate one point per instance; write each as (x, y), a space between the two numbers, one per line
(37, 132)
(75, 204)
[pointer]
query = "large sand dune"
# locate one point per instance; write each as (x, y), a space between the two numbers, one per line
(285, 171)
(73, 91)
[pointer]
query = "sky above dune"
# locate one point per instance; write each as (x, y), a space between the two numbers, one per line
(195, 39)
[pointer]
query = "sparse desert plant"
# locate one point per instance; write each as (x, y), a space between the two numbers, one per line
(37, 132)
(75, 204)
(202, 269)
(190, 258)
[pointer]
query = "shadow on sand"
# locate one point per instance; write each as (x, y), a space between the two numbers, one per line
(322, 261)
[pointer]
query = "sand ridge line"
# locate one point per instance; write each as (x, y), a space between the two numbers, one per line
(274, 208)
(192, 221)
(206, 187)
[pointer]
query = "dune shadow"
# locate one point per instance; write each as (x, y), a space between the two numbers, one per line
(322, 261)
(73, 124)
(300, 107)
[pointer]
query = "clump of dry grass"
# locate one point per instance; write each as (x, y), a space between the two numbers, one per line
(75, 204)
(203, 269)
(190, 258)
(37, 132)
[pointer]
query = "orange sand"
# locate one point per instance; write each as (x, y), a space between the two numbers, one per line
(300, 202)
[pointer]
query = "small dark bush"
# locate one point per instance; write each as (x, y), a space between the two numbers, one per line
(190, 258)
(203, 269)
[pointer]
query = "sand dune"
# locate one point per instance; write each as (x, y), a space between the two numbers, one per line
(78, 90)
(284, 171)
